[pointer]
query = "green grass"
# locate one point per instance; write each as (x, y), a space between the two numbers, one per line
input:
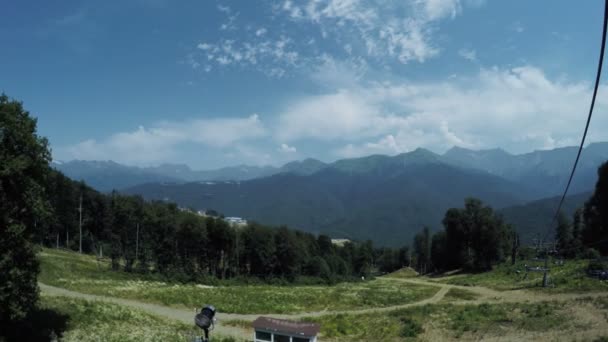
(570, 277)
(97, 321)
(85, 274)
(406, 272)
(459, 295)
(455, 320)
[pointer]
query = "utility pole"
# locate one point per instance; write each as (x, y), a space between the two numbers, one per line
(80, 226)
(57, 245)
(137, 243)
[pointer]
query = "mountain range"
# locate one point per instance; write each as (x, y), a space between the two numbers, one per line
(108, 175)
(389, 198)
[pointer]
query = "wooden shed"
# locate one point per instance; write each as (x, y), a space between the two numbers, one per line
(267, 329)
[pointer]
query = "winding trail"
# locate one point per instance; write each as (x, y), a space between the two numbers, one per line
(486, 295)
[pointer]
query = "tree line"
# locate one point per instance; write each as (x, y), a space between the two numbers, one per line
(475, 238)
(156, 236)
(586, 235)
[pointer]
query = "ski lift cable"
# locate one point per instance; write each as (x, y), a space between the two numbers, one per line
(580, 149)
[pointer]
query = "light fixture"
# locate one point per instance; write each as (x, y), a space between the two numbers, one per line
(205, 320)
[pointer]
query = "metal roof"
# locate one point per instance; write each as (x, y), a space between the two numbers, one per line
(286, 327)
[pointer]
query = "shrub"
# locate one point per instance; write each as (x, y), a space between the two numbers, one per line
(410, 328)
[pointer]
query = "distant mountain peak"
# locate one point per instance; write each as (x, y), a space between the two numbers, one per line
(307, 166)
(418, 155)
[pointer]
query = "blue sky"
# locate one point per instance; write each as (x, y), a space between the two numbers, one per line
(216, 83)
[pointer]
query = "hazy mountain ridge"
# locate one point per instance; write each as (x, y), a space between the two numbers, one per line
(383, 198)
(534, 219)
(363, 198)
(108, 175)
(545, 171)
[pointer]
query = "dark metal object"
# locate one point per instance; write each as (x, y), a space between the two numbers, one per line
(204, 319)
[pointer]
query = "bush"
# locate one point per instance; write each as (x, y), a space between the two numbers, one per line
(597, 265)
(591, 253)
(410, 328)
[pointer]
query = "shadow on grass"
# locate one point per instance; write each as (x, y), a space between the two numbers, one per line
(40, 325)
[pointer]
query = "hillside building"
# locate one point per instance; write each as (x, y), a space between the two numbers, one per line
(267, 329)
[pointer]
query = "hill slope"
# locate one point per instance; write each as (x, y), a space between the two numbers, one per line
(386, 199)
(545, 172)
(108, 175)
(533, 218)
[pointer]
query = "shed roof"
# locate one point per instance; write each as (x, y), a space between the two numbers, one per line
(286, 327)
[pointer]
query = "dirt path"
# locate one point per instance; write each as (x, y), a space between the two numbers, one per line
(486, 295)
(489, 295)
(182, 315)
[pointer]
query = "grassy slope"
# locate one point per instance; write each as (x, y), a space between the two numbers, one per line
(570, 277)
(406, 272)
(97, 321)
(85, 274)
(453, 321)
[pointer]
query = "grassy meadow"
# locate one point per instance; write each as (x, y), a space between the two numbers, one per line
(405, 272)
(570, 277)
(83, 273)
(98, 321)
(445, 322)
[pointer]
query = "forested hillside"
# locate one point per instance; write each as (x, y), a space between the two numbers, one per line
(534, 218)
(385, 199)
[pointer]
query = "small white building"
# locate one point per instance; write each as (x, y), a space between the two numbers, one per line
(340, 242)
(236, 221)
(267, 329)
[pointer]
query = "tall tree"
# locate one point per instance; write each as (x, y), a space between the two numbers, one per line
(439, 256)
(24, 167)
(563, 234)
(476, 237)
(596, 213)
(422, 250)
(578, 226)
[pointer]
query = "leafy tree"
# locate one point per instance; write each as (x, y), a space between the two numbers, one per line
(596, 214)
(563, 233)
(288, 252)
(476, 237)
(259, 250)
(404, 256)
(363, 258)
(576, 245)
(422, 250)
(24, 168)
(438, 250)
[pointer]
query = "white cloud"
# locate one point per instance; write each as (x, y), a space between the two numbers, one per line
(161, 141)
(287, 149)
(438, 9)
(260, 32)
(381, 32)
(223, 8)
(401, 30)
(518, 109)
(268, 56)
(468, 54)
